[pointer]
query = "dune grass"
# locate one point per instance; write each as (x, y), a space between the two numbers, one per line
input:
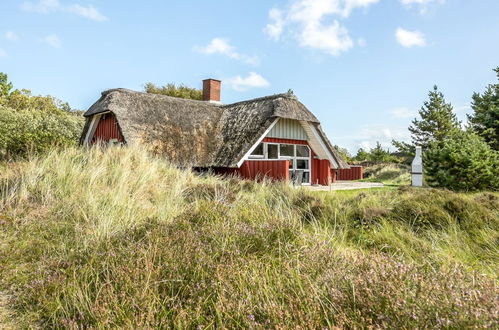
(118, 238)
(389, 174)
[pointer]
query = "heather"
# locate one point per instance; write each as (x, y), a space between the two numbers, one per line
(118, 238)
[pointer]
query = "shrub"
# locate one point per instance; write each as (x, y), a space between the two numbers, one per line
(462, 162)
(31, 131)
(34, 124)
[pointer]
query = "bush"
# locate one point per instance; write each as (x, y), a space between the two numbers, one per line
(462, 162)
(24, 132)
(34, 124)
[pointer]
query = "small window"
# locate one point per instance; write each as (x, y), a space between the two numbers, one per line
(272, 151)
(302, 151)
(287, 150)
(258, 152)
(302, 164)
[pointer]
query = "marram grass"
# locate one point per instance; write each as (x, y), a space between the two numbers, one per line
(121, 239)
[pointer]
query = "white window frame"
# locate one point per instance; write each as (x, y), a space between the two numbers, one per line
(293, 159)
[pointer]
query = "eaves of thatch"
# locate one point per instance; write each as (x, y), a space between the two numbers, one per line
(198, 133)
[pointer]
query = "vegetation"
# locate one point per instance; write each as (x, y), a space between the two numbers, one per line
(180, 91)
(120, 239)
(33, 124)
(485, 117)
(463, 161)
(376, 155)
(437, 123)
(388, 173)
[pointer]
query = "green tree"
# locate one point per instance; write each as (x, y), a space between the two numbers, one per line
(437, 122)
(362, 155)
(180, 91)
(5, 85)
(463, 161)
(33, 124)
(485, 118)
(344, 153)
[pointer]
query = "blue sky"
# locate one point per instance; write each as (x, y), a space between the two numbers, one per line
(364, 67)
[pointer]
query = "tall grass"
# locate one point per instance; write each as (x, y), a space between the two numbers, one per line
(389, 174)
(118, 238)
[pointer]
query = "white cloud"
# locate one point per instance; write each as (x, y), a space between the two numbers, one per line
(310, 23)
(89, 12)
(3, 53)
(403, 113)
(52, 6)
(410, 38)
(52, 40)
(422, 4)
(368, 136)
(9, 35)
(223, 47)
(464, 107)
(254, 80)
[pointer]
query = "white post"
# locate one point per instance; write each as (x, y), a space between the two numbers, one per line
(417, 168)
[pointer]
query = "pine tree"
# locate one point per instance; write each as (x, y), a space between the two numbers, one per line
(437, 121)
(485, 118)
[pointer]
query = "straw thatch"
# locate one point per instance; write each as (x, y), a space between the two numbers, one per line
(198, 133)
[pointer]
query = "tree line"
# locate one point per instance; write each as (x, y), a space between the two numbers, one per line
(456, 156)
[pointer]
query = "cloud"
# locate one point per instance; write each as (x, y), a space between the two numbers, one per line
(410, 38)
(254, 80)
(223, 47)
(368, 136)
(422, 4)
(52, 40)
(9, 35)
(3, 53)
(311, 23)
(464, 107)
(89, 12)
(403, 113)
(52, 6)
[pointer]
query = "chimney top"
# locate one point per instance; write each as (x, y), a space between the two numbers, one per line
(211, 90)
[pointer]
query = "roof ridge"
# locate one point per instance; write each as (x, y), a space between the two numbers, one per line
(130, 91)
(268, 97)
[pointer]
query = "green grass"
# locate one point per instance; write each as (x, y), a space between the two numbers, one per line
(389, 174)
(93, 239)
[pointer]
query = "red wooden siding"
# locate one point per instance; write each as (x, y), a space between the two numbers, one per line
(278, 170)
(107, 129)
(288, 141)
(353, 173)
(258, 169)
(324, 172)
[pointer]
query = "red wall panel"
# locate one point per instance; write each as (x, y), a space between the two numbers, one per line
(353, 173)
(107, 129)
(259, 169)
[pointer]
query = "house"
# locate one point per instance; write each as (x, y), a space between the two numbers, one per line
(274, 136)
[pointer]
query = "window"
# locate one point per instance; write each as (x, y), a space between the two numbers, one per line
(302, 164)
(258, 152)
(272, 151)
(287, 150)
(302, 151)
(298, 156)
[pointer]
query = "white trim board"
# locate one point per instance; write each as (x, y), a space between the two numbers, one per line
(253, 147)
(317, 143)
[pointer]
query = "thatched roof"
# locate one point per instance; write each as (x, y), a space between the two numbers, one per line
(199, 133)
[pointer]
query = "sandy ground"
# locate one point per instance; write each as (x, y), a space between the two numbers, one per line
(347, 185)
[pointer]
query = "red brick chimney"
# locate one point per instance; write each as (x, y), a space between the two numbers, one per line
(211, 90)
